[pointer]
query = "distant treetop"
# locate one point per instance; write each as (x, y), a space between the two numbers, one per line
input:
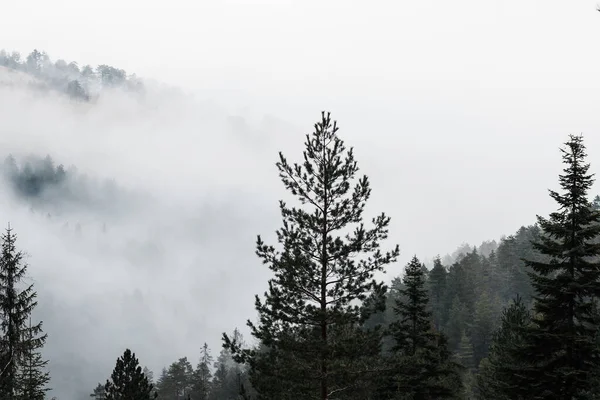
(80, 83)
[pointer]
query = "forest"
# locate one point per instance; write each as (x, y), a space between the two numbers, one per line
(79, 83)
(514, 319)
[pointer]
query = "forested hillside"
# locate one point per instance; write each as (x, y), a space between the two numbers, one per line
(79, 82)
(53, 189)
(471, 326)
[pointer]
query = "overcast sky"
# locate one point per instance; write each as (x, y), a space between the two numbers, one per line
(456, 109)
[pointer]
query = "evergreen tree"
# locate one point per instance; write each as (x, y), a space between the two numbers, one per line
(230, 379)
(483, 327)
(99, 392)
(457, 321)
(33, 375)
(562, 343)
(202, 376)
(596, 203)
(164, 386)
(148, 374)
(127, 381)
(21, 366)
(176, 382)
(499, 374)
(309, 319)
(420, 362)
(465, 353)
(437, 288)
(220, 384)
(413, 330)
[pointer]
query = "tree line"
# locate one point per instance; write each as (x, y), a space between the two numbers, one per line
(80, 83)
(514, 320)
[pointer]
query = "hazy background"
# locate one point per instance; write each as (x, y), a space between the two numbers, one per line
(456, 111)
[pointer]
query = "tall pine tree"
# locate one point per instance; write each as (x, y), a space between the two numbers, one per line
(21, 366)
(420, 365)
(562, 345)
(310, 321)
(202, 375)
(437, 288)
(33, 374)
(127, 381)
(498, 374)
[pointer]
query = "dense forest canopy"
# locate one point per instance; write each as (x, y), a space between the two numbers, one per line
(472, 324)
(465, 296)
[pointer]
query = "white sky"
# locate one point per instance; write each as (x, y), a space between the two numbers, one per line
(456, 108)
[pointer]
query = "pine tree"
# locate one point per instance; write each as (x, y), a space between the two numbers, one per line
(562, 339)
(148, 374)
(33, 377)
(483, 327)
(420, 363)
(230, 378)
(202, 375)
(127, 381)
(220, 383)
(99, 392)
(437, 288)
(596, 203)
(465, 352)
(413, 330)
(457, 320)
(499, 373)
(309, 320)
(164, 386)
(21, 366)
(176, 382)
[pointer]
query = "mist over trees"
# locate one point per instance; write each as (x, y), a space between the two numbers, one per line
(53, 188)
(509, 319)
(82, 83)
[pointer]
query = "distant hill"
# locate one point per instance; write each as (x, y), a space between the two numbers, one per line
(84, 83)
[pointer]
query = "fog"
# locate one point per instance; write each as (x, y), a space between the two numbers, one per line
(458, 131)
(162, 261)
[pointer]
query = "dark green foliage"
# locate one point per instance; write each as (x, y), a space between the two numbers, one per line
(230, 379)
(127, 381)
(35, 176)
(202, 376)
(457, 321)
(33, 375)
(437, 290)
(561, 343)
(462, 279)
(43, 184)
(510, 255)
(484, 324)
(21, 366)
(498, 377)
(465, 353)
(420, 366)
(309, 320)
(176, 382)
(413, 329)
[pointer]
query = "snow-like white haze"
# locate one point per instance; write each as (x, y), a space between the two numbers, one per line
(456, 111)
